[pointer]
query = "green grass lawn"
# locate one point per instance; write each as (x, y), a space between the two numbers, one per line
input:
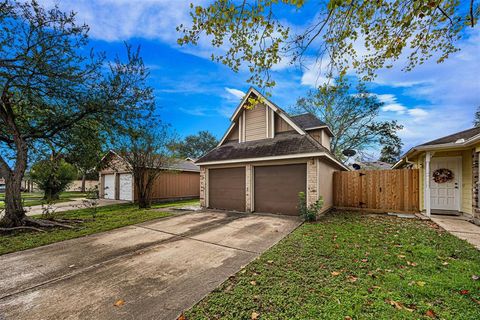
(35, 198)
(107, 218)
(354, 266)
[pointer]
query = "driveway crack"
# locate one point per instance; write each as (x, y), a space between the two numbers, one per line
(199, 240)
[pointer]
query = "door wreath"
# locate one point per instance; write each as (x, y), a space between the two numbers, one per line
(442, 175)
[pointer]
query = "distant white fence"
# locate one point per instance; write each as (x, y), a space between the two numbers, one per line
(76, 185)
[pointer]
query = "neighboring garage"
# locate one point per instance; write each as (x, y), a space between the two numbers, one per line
(181, 180)
(227, 188)
(276, 188)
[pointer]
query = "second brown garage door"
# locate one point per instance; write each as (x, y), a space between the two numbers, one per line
(277, 188)
(227, 188)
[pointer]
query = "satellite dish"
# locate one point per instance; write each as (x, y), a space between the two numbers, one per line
(349, 152)
(356, 166)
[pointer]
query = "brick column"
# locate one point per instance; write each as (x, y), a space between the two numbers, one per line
(248, 188)
(312, 186)
(203, 187)
(475, 189)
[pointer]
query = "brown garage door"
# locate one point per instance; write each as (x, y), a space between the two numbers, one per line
(277, 188)
(227, 188)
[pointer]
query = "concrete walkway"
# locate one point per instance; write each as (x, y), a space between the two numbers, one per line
(70, 205)
(460, 228)
(157, 269)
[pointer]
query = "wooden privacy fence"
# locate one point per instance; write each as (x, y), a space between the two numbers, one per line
(377, 190)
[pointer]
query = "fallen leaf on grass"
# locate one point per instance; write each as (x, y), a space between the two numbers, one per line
(445, 263)
(335, 273)
(401, 256)
(270, 261)
(364, 260)
(413, 264)
(421, 283)
(476, 300)
(254, 316)
(119, 303)
(352, 279)
(475, 277)
(464, 292)
(347, 318)
(181, 317)
(253, 283)
(430, 313)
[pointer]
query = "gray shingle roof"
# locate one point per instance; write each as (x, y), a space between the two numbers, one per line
(466, 134)
(307, 120)
(183, 165)
(284, 143)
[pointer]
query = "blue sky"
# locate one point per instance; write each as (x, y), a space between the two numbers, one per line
(193, 93)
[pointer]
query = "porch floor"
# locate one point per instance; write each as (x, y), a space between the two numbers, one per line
(460, 228)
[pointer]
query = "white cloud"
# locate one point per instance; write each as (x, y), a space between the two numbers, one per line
(314, 74)
(417, 113)
(395, 107)
(387, 98)
(119, 20)
(235, 92)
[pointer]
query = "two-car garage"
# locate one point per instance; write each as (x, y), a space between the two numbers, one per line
(124, 186)
(275, 188)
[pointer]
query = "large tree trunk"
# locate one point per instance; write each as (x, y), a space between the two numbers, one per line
(14, 213)
(83, 182)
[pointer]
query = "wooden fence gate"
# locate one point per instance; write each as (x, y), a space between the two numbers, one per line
(377, 190)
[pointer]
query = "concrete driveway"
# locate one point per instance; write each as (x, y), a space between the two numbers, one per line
(158, 268)
(70, 205)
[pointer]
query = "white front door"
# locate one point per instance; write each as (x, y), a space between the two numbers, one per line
(446, 195)
(126, 183)
(109, 186)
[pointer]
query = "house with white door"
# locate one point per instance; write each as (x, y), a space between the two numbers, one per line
(449, 170)
(180, 180)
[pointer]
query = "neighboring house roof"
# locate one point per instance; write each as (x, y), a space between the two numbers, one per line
(456, 140)
(283, 143)
(452, 138)
(373, 165)
(176, 164)
(183, 165)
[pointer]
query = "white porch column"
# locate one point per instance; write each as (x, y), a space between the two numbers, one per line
(428, 157)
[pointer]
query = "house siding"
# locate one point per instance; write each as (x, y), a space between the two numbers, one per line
(325, 183)
(234, 134)
(255, 123)
(281, 125)
(467, 182)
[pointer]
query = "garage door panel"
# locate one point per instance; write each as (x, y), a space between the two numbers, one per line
(109, 186)
(276, 188)
(126, 184)
(227, 188)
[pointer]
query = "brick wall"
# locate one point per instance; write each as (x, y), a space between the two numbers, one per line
(312, 185)
(476, 191)
(203, 187)
(248, 188)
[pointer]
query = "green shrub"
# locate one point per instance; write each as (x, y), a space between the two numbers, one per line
(308, 213)
(53, 177)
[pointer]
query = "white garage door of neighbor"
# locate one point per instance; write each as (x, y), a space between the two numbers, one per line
(109, 186)
(126, 187)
